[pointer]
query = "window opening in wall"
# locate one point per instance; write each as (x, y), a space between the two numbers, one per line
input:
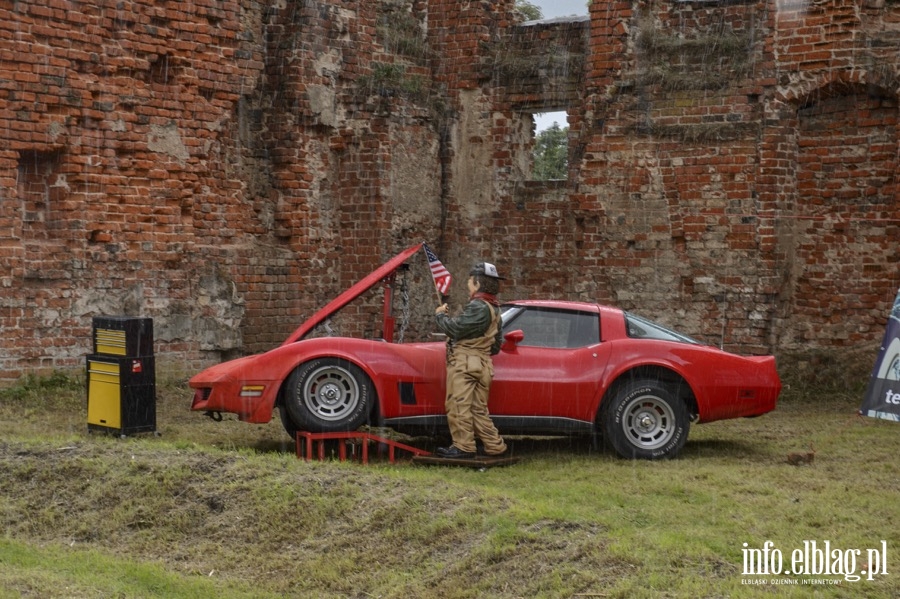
(37, 179)
(550, 152)
(553, 9)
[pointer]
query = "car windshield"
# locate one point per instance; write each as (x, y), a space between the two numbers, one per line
(641, 328)
(507, 313)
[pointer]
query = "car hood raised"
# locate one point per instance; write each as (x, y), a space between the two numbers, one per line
(351, 294)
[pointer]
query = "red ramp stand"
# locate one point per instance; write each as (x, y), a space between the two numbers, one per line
(311, 445)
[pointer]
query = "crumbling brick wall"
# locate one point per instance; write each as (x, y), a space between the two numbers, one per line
(226, 168)
(115, 117)
(747, 155)
(222, 168)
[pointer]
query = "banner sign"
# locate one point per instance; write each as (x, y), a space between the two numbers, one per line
(883, 395)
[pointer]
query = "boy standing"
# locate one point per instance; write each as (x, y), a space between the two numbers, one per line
(472, 338)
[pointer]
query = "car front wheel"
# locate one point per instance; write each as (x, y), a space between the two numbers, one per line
(645, 420)
(328, 395)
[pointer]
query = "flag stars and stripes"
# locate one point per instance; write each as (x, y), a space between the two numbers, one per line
(439, 272)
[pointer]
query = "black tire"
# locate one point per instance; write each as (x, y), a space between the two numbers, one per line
(288, 424)
(645, 420)
(328, 395)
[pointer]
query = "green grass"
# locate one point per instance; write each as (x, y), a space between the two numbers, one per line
(227, 510)
(57, 571)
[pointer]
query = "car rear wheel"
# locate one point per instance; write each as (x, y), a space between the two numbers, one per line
(328, 395)
(645, 419)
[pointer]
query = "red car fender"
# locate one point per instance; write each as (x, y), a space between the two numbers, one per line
(620, 365)
(219, 389)
(383, 363)
(267, 372)
(334, 347)
(722, 384)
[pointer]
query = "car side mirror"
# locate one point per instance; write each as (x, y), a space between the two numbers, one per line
(512, 339)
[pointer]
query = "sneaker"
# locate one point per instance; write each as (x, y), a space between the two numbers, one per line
(454, 453)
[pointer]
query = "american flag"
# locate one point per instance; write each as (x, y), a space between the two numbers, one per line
(440, 274)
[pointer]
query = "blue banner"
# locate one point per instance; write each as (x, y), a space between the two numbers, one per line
(883, 395)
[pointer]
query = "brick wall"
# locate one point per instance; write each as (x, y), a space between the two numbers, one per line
(226, 168)
(113, 116)
(740, 156)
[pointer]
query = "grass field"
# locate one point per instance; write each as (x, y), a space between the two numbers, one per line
(226, 509)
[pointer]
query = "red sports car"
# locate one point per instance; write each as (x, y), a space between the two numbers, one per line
(565, 368)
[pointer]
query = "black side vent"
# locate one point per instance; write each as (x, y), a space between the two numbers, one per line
(407, 394)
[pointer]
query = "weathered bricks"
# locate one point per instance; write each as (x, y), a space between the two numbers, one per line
(226, 168)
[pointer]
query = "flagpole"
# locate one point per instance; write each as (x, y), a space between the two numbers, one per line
(440, 298)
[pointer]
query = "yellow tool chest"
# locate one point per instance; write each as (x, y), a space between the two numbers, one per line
(121, 376)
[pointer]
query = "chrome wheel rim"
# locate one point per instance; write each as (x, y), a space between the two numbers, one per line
(331, 393)
(648, 422)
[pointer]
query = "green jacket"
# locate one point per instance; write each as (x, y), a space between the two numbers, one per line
(473, 322)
